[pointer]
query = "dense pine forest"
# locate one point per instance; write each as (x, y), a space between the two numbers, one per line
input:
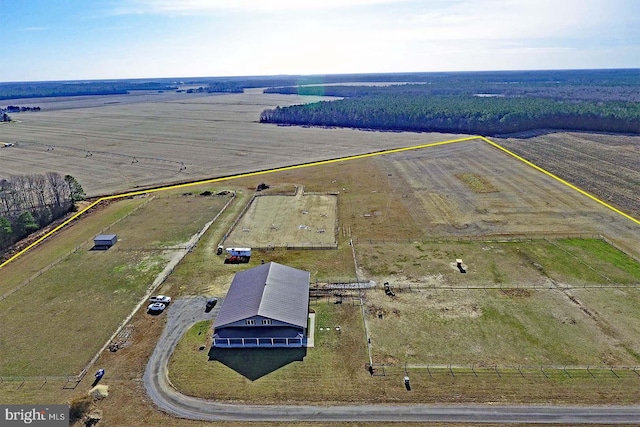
(477, 103)
(461, 114)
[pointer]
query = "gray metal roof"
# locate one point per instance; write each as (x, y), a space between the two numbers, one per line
(270, 290)
(105, 237)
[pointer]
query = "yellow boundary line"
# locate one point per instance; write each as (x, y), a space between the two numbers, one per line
(573, 187)
(318, 163)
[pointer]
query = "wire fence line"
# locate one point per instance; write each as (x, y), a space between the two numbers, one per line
(488, 238)
(505, 371)
(68, 382)
(620, 248)
(40, 272)
(237, 220)
(296, 246)
(418, 287)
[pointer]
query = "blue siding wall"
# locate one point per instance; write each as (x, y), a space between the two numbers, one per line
(258, 332)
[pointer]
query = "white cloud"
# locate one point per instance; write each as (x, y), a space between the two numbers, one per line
(204, 6)
(504, 20)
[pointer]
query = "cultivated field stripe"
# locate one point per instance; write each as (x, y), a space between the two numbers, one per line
(288, 168)
(244, 175)
(318, 163)
(579, 190)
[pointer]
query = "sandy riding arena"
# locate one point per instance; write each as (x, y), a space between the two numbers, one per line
(300, 221)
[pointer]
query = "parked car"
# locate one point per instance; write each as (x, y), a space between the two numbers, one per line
(211, 302)
(156, 307)
(161, 298)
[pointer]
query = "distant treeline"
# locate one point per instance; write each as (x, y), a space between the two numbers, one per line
(17, 109)
(613, 85)
(410, 111)
(56, 89)
(225, 87)
(486, 103)
(447, 88)
(30, 202)
(4, 117)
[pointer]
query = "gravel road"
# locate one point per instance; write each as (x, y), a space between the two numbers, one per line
(184, 312)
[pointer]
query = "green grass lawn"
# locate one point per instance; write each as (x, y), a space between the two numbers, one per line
(275, 375)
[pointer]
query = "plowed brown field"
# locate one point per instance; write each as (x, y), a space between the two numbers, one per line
(606, 165)
(118, 143)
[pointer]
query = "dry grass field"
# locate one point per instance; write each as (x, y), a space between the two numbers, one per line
(521, 200)
(537, 309)
(549, 300)
(80, 298)
(281, 221)
(505, 327)
(367, 189)
(118, 143)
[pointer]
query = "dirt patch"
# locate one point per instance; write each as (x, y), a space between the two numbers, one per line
(580, 305)
(517, 293)
(476, 183)
(457, 309)
(284, 221)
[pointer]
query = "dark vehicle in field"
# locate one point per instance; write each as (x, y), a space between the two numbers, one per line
(211, 302)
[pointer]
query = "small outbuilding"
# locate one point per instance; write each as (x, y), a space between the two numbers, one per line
(104, 241)
(266, 306)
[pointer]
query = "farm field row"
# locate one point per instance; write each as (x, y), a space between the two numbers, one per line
(122, 145)
(605, 165)
(472, 189)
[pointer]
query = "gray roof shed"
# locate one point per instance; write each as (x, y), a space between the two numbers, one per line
(270, 290)
(105, 240)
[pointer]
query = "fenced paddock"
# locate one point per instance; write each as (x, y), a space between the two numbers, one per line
(292, 222)
(66, 382)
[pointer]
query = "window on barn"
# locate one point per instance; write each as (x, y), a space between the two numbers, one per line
(266, 321)
(250, 322)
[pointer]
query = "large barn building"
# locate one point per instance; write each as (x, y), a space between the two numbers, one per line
(266, 306)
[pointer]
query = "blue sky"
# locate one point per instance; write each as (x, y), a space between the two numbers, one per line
(86, 39)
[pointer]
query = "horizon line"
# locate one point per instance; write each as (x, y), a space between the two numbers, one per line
(368, 73)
